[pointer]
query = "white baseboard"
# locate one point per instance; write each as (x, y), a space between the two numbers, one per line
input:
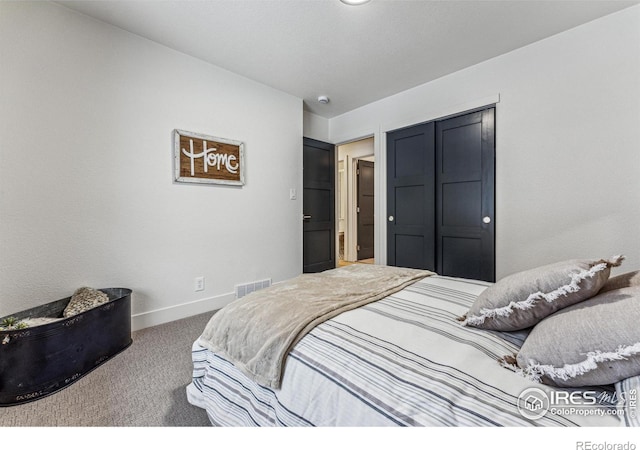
(171, 313)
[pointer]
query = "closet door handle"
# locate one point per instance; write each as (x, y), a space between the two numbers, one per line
(306, 217)
(391, 218)
(486, 219)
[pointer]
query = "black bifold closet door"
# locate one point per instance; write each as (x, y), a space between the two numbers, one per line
(441, 196)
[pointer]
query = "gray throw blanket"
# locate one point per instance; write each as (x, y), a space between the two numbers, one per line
(257, 331)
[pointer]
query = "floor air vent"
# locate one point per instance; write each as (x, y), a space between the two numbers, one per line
(248, 288)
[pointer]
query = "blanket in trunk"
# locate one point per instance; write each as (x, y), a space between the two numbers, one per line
(257, 331)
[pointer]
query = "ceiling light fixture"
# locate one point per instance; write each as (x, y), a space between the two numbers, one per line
(355, 2)
(323, 99)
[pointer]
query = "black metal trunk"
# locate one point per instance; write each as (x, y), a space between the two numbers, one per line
(38, 361)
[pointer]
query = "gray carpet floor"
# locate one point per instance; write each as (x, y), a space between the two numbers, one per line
(143, 386)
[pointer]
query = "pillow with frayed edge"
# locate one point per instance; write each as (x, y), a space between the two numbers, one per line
(595, 342)
(521, 300)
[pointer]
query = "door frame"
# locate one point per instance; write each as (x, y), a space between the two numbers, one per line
(350, 184)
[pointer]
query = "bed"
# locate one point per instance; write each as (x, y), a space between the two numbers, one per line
(401, 360)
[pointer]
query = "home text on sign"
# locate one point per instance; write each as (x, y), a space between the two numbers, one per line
(205, 159)
(211, 159)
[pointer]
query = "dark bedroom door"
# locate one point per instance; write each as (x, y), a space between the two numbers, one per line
(440, 196)
(365, 222)
(318, 206)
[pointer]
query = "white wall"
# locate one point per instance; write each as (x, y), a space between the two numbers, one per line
(315, 127)
(86, 193)
(567, 141)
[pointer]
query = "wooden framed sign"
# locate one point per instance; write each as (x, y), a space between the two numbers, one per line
(200, 158)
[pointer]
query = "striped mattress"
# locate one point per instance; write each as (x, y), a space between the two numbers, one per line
(404, 360)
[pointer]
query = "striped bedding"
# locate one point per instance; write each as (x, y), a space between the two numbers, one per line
(401, 361)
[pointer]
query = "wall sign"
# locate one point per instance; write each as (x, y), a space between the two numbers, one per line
(199, 158)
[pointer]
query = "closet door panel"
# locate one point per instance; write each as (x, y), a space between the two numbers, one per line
(410, 197)
(465, 211)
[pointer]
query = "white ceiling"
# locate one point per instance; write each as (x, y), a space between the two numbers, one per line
(352, 54)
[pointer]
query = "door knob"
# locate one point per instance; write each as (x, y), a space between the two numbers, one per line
(306, 217)
(486, 219)
(390, 218)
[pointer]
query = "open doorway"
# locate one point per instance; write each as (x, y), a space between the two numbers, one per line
(355, 202)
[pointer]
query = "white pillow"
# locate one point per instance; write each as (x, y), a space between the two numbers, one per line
(521, 300)
(595, 342)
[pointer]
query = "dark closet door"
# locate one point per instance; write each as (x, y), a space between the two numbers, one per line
(365, 173)
(318, 206)
(411, 197)
(440, 196)
(465, 173)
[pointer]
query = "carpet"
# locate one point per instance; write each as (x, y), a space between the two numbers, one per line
(143, 386)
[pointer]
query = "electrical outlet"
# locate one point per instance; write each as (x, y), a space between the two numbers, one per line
(199, 284)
